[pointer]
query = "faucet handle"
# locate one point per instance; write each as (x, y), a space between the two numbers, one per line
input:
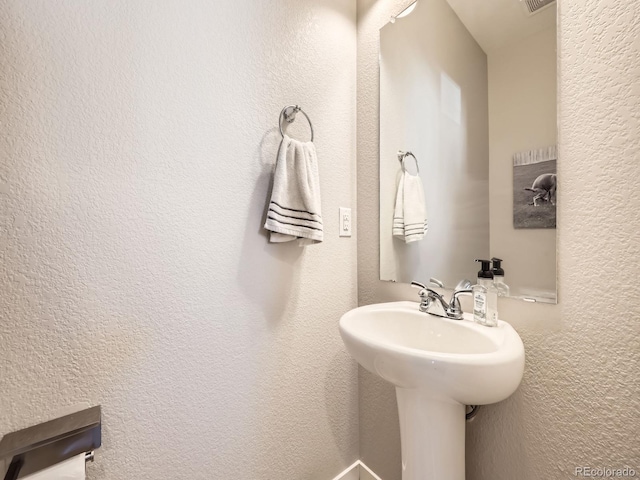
(455, 309)
(436, 282)
(425, 296)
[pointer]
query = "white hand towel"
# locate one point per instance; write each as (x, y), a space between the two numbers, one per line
(294, 210)
(71, 469)
(410, 214)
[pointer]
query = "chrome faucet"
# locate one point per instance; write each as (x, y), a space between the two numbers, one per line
(452, 309)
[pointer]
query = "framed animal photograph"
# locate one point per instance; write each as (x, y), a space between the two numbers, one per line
(534, 188)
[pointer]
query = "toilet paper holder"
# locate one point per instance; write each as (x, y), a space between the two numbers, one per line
(41, 446)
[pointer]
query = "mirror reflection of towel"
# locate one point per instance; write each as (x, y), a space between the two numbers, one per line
(410, 214)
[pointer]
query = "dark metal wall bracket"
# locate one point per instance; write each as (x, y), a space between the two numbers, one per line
(41, 446)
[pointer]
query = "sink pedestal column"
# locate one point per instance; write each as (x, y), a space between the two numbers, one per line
(432, 433)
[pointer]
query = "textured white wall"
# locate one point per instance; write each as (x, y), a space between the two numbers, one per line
(580, 396)
(137, 143)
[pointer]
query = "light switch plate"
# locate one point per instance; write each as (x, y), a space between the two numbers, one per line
(345, 222)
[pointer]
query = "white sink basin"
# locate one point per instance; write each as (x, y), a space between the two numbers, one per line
(450, 359)
(438, 366)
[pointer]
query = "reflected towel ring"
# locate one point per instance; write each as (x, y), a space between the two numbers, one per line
(403, 155)
(289, 114)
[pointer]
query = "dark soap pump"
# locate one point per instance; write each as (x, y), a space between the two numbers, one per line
(485, 276)
(498, 277)
(497, 268)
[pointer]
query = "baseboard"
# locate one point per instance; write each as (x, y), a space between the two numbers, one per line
(351, 473)
(367, 474)
(357, 471)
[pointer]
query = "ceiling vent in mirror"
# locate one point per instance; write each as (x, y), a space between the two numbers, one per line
(535, 6)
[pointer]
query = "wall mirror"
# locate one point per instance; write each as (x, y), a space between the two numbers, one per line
(469, 87)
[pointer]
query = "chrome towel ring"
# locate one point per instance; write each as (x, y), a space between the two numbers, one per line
(402, 157)
(289, 114)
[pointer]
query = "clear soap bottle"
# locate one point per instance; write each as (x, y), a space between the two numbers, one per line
(485, 297)
(498, 278)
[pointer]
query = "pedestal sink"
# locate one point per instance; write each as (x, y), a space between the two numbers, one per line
(438, 366)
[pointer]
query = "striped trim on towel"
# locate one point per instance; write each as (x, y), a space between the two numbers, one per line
(286, 218)
(412, 229)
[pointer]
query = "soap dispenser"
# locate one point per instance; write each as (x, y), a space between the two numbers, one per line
(498, 278)
(485, 297)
